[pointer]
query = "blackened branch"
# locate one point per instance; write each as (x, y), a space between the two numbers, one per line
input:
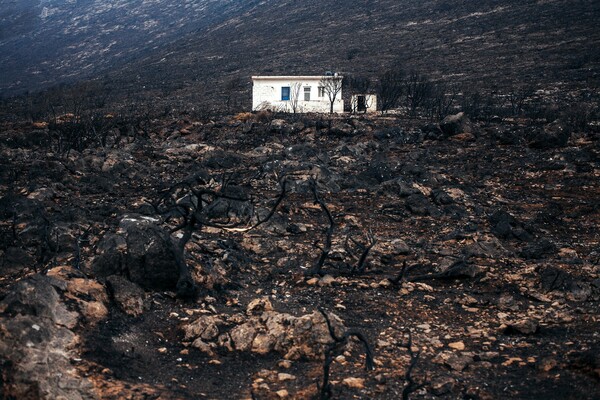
(337, 347)
(398, 279)
(329, 234)
(278, 201)
(274, 208)
(411, 385)
(366, 248)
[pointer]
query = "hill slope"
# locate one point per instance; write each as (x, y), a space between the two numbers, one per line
(44, 42)
(196, 48)
(491, 43)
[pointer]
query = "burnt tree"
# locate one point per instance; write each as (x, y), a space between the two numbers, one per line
(332, 87)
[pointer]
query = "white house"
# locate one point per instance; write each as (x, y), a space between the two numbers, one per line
(297, 93)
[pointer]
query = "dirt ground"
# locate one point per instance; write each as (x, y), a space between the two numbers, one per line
(483, 280)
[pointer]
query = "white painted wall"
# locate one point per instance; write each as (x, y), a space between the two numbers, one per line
(370, 102)
(266, 94)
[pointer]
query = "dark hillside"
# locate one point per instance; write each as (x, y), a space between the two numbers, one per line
(43, 43)
(493, 43)
(191, 49)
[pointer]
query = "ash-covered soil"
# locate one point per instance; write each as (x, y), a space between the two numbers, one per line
(466, 256)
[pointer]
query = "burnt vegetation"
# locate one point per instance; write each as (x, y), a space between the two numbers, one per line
(443, 245)
(157, 240)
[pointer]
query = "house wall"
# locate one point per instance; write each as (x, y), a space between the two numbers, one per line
(370, 102)
(266, 94)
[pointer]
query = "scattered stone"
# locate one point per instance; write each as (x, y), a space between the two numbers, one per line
(455, 124)
(327, 280)
(457, 346)
(487, 248)
(458, 362)
(443, 385)
(553, 278)
(204, 347)
(93, 311)
(294, 337)
(258, 306)
(512, 360)
(399, 247)
(440, 197)
(89, 295)
(464, 137)
(523, 327)
(547, 364)
(282, 377)
(506, 226)
(462, 269)
(540, 249)
(553, 135)
(243, 336)
(206, 327)
(312, 281)
(418, 204)
(42, 194)
(487, 356)
(37, 296)
(355, 383)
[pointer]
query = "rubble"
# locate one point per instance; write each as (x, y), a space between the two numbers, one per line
(304, 337)
(485, 256)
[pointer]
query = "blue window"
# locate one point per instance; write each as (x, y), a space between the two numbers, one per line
(285, 93)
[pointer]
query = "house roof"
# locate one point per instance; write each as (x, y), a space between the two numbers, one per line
(289, 77)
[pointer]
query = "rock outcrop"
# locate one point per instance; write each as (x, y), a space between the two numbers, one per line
(38, 339)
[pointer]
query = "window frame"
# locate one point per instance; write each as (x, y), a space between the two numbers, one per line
(285, 97)
(307, 93)
(321, 91)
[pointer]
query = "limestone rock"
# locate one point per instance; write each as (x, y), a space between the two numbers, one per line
(37, 344)
(243, 336)
(524, 327)
(258, 306)
(400, 247)
(90, 295)
(457, 345)
(356, 383)
(128, 296)
(206, 327)
(37, 296)
(304, 337)
(455, 124)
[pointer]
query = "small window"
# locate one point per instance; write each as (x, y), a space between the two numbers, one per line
(321, 91)
(307, 93)
(285, 93)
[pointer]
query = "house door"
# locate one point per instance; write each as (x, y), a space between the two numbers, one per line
(361, 104)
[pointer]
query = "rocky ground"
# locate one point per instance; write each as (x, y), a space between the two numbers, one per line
(240, 258)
